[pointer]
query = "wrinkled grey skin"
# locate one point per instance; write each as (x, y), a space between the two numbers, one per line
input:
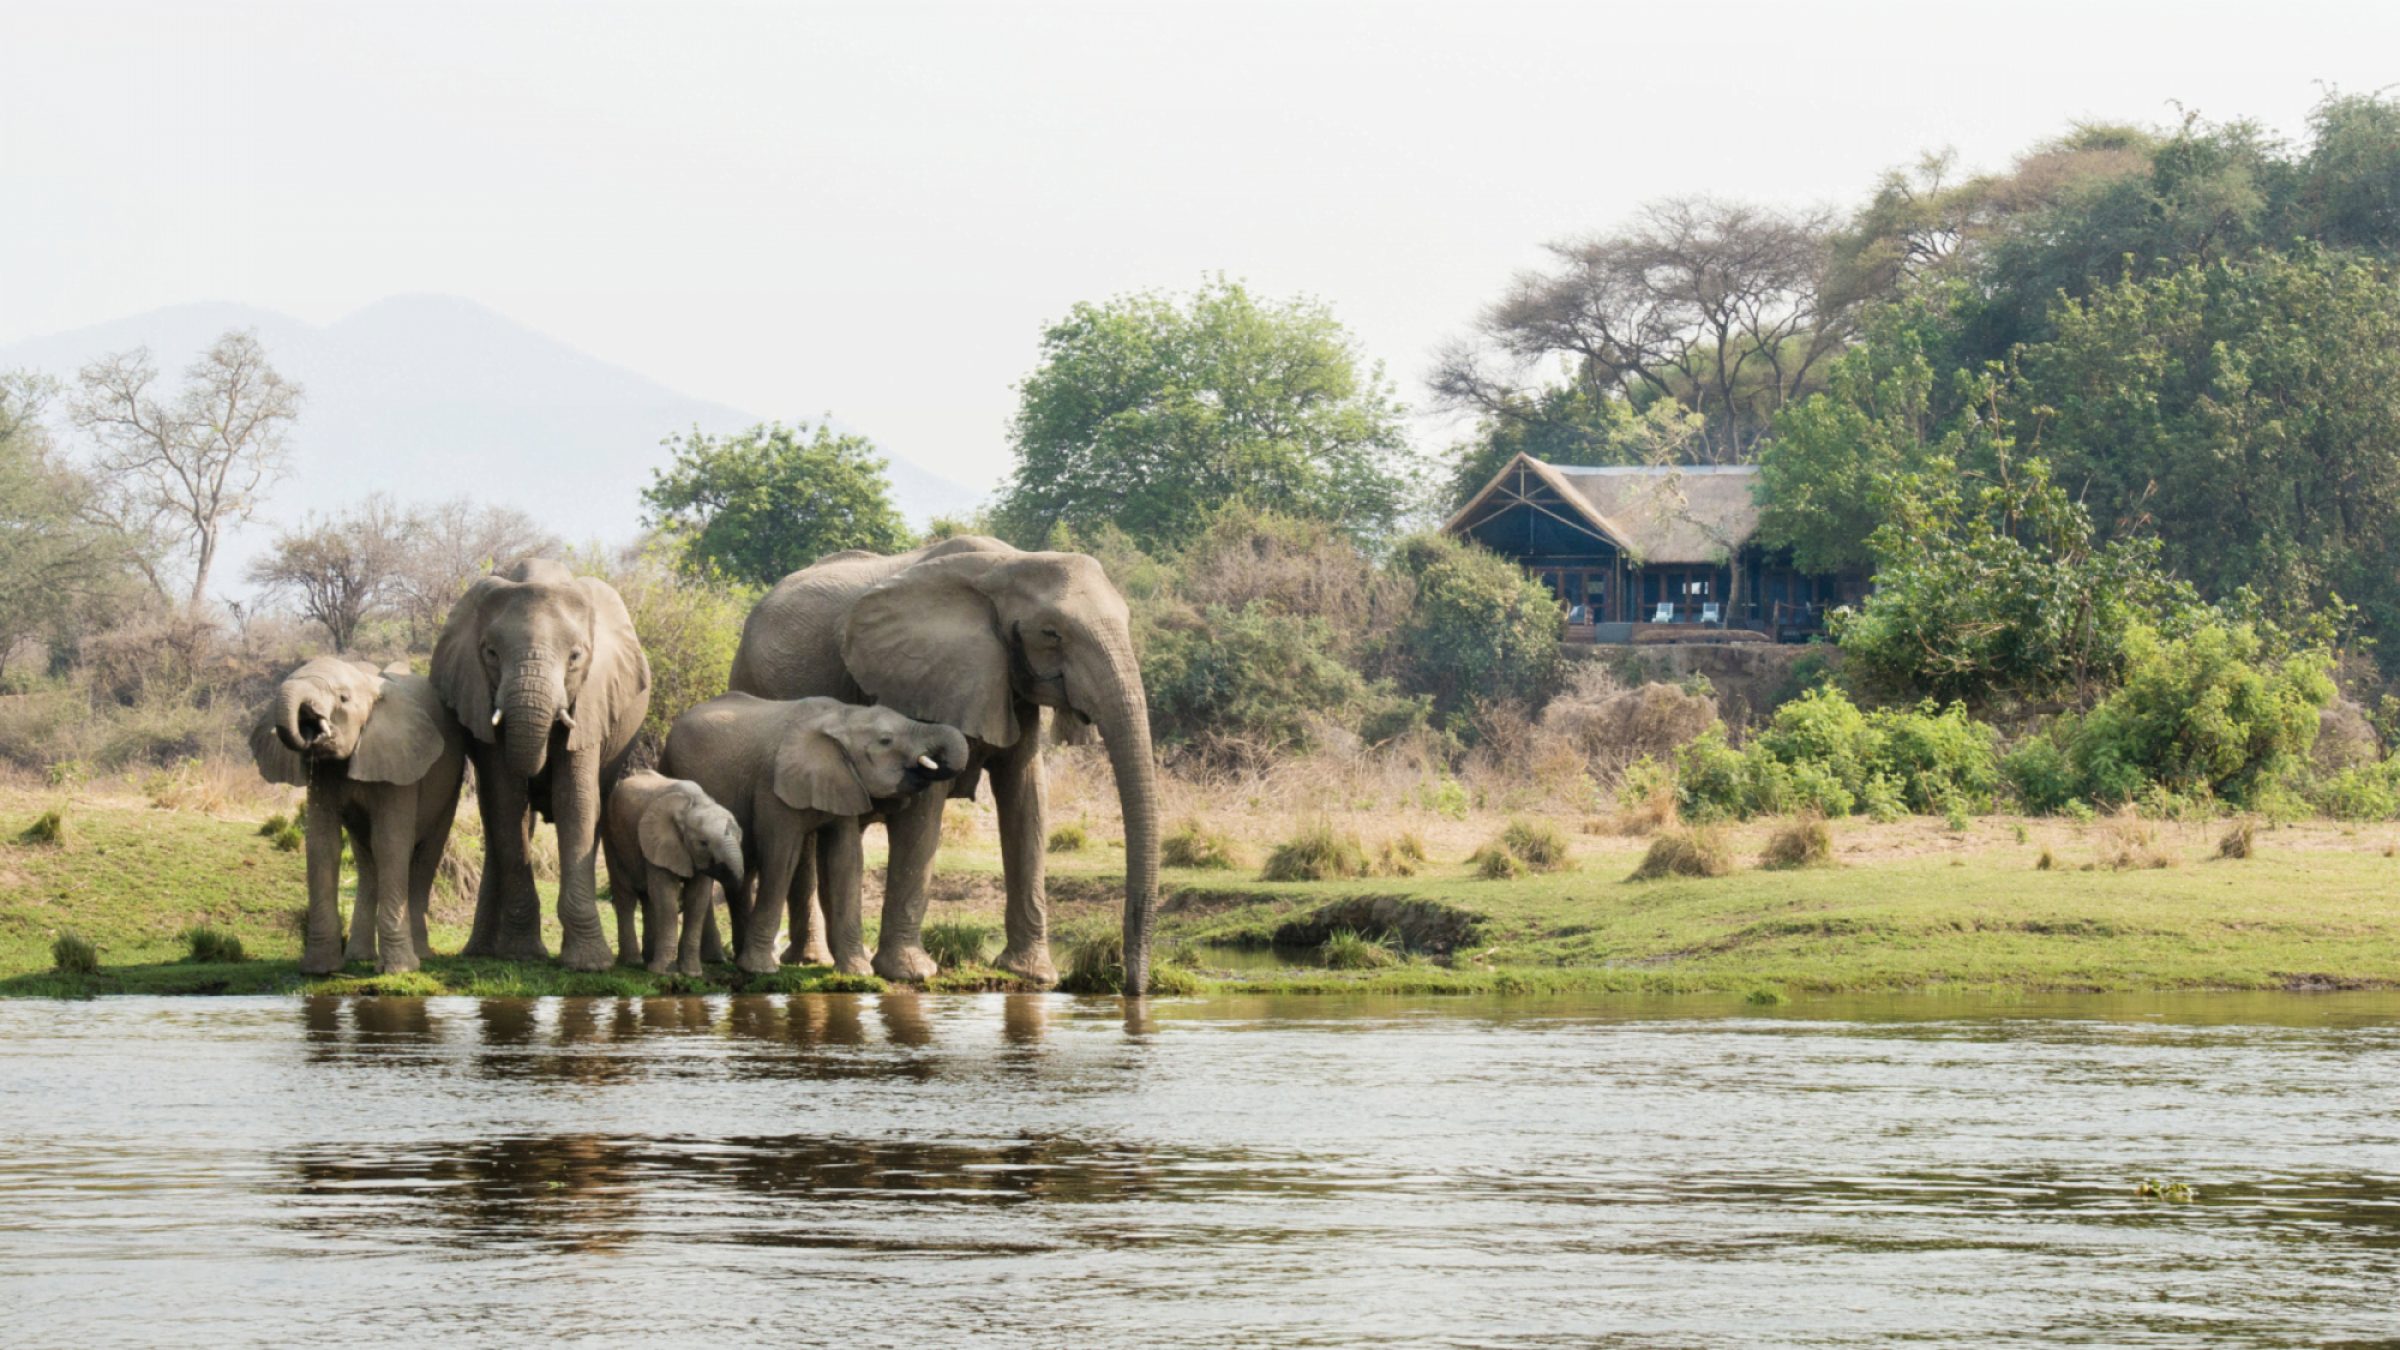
(786, 769)
(668, 846)
(382, 759)
(543, 671)
(975, 633)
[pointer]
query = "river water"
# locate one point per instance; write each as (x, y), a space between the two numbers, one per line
(899, 1169)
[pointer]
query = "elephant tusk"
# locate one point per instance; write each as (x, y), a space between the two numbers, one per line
(496, 716)
(929, 764)
(566, 719)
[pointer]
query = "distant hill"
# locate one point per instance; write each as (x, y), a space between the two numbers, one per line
(431, 396)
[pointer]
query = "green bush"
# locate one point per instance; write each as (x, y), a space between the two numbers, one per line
(2039, 774)
(274, 825)
(2361, 792)
(1266, 680)
(1542, 845)
(49, 829)
(72, 955)
(1481, 631)
(1349, 949)
(290, 839)
(1070, 838)
(1192, 844)
(1318, 853)
(1820, 753)
(2210, 712)
(211, 946)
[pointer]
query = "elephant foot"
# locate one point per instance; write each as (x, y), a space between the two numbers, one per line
(812, 954)
(1032, 965)
(521, 947)
(589, 953)
(424, 950)
(856, 963)
(690, 968)
(320, 963)
(398, 965)
(662, 968)
(908, 965)
(758, 963)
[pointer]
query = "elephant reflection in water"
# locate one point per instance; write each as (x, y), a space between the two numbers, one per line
(377, 1026)
(578, 1192)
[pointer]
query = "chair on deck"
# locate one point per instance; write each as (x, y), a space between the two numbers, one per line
(1666, 612)
(1709, 616)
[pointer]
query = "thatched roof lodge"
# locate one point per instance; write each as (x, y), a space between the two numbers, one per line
(1648, 553)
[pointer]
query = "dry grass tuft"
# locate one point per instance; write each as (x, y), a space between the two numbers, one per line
(2045, 862)
(2130, 843)
(1610, 726)
(1656, 809)
(1494, 863)
(1070, 838)
(1193, 844)
(1802, 841)
(1318, 853)
(1402, 855)
(961, 824)
(2240, 841)
(1696, 851)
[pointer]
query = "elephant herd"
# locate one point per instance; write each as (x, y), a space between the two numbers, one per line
(866, 688)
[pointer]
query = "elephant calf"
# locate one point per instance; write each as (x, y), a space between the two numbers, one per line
(667, 845)
(381, 758)
(784, 768)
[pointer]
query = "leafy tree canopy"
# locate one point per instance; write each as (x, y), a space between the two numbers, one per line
(764, 503)
(1149, 412)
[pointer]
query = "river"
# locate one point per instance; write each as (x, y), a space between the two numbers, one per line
(897, 1169)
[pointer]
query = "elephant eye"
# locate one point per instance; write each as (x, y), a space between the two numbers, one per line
(884, 741)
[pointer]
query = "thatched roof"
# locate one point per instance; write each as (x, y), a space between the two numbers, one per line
(1661, 514)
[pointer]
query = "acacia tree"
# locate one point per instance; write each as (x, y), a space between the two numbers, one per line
(191, 464)
(764, 503)
(449, 544)
(1150, 412)
(1727, 307)
(341, 570)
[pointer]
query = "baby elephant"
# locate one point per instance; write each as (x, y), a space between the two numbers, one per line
(381, 758)
(785, 768)
(666, 843)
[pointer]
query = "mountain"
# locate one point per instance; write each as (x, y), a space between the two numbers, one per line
(430, 396)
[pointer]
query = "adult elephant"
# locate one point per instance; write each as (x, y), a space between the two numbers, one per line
(983, 636)
(543, 670)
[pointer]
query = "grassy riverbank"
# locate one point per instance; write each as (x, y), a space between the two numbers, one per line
(1907, 906)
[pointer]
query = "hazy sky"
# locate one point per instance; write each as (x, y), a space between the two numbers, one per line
(873, 209)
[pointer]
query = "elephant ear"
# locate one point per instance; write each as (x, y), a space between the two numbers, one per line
(926, 642)
(400, 739)
(458, 661)
(813, 773)
(276, 762)
(661, 837)
(616, 694)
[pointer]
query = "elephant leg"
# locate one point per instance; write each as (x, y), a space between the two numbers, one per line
(699, 917)
(1021, 798)
(516, 920)
(841, 857)
(739, 900)
(321, 949)
(424, 863)
(712, 948)
(662, 901)
(808, 915)
(624, 896)
(915, 830)
(781, 858)
(393, 827)
(575, 805)
(370, 889)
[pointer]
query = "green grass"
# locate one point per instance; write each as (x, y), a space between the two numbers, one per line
(962, 942)
(211, 946)
(1971, 915)
(1349, 949)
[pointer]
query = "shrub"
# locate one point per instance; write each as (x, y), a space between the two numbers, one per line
(274, 825)
(1193, 844)
(2361, 792)
(1647, 799)
(959, 942)
(2210, 710)
(72, 955)
(49, 829)
(1803, 841)
(1349, 949)
(2240, 839)
(1698, 851)
(1251, 683)
(1821, 753)
(290, 839)
(1070, 838)
(1317, 853)
(1539, 844)
(1611, 726)
(2039, 774)
(1494, 863)
(211, 946)
(1481, 629)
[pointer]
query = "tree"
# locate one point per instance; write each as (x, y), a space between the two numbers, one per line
(199, 461)
(1149, 412)
(55, 560)
(342, 570)
(446, 547)
(764, 503)
(1480, 631)
(1723, 306)
(1569, 424)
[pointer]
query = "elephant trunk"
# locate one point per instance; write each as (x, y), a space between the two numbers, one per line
(529, 708)
(1125, 727)
(289, 699)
